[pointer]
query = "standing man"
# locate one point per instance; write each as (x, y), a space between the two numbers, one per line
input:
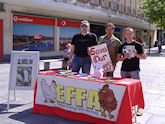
(130, 53)
(112, 44)
(79, 47)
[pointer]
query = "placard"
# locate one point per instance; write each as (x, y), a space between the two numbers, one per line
(99, 53)
(24, 68)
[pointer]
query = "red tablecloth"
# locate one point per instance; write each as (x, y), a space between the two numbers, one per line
(133, 95)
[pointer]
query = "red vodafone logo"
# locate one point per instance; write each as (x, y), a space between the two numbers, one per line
(15, 18)
(67, 23)
(63, 22)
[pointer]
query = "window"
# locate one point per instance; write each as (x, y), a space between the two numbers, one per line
(121, 5)
(33, 33)
(128, 6)
(67, 30)
(105, 3)
(83, 1)
(66, 35)
(95, 2)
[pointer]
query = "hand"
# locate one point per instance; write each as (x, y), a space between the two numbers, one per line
(134, 52)
(88, 52)
(126, 55)
(69, 64)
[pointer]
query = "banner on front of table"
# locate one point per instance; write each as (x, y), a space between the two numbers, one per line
(99, 53)
(92, 98)
(24, 68)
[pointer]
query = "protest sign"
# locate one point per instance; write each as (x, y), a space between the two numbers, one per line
(99, 53)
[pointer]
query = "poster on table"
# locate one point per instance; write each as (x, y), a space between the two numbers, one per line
(99, 54)
(24, 68)
(92, 98)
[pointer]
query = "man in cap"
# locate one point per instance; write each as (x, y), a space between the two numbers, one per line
(79, 48)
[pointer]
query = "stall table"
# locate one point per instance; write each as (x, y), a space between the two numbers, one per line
(80, 97)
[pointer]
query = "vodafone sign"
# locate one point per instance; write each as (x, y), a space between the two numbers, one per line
(16, 19)
(67, 23)
(32, 20)
(63, 22)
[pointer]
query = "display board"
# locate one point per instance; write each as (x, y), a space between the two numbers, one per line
(24, 68)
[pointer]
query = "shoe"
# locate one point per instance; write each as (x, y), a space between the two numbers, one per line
(140, 112)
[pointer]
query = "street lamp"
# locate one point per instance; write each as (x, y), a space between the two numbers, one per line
(149, 37)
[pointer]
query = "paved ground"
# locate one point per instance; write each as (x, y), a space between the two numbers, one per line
(152, 77)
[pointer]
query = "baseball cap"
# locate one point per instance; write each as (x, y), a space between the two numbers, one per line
(84, 22)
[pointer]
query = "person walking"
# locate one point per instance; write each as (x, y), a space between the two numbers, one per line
(130, 53)
(159, 46)
(79, 48)
(112, 44)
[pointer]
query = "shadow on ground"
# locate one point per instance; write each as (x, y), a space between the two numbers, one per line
(3, 107)
(31, 118)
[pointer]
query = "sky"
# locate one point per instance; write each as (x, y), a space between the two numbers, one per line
(31, 29)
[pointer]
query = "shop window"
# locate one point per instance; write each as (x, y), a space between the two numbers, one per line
(66, 35)
(1, 7)
(0, 39)
(67, 30)
(33, 33)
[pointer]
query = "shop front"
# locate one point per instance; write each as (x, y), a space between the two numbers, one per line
(0, 39)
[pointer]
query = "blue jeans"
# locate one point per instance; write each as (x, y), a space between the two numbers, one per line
(81, 62)
(130, 74)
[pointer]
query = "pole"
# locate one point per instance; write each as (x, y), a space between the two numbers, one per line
(149, 37)
(8, 104)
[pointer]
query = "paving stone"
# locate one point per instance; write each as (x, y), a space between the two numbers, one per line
(143, 119)
(156, 110)
(156, 119)
(152, 78)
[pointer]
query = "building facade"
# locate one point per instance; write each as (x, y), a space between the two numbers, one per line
(48, 25)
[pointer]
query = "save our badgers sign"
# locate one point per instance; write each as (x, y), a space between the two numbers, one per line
(24, 68)
(99, 53)
(92, 98)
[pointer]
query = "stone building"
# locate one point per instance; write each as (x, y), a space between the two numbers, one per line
(47, 25)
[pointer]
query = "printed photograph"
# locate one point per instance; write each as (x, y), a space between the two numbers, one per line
(24, 75)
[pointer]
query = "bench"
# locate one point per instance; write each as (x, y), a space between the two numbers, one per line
(48, 61)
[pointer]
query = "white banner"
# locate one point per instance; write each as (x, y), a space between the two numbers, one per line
(24, 66)
(99, 53)
(81, 96)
